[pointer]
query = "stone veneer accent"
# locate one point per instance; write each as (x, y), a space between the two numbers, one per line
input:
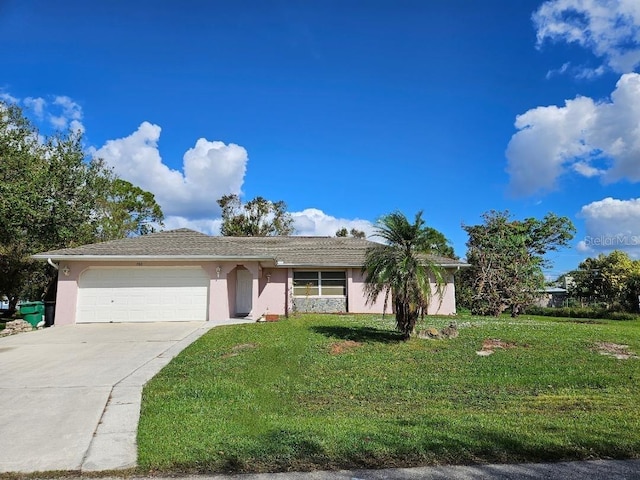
(319, 305)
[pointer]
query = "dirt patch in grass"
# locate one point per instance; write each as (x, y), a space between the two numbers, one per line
(236, 349)
(621, 352)
(345, 346)
(491, 344)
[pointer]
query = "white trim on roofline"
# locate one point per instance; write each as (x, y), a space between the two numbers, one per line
(218, 258)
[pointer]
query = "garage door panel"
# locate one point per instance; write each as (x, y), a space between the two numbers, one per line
(142, 294)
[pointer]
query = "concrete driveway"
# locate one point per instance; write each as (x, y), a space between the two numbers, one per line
(70, 396)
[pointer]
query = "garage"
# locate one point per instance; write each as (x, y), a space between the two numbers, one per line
(142, 294)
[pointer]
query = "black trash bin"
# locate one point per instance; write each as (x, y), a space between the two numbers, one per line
(49, 313)
(49, 298)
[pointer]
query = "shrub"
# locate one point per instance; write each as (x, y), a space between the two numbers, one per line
(580, 312)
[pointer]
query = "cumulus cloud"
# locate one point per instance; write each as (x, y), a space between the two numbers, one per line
(309, 222)
(312, 221)
(210, 170)
(188, 195)
(610, 29)
(611, 224)
(584, 136)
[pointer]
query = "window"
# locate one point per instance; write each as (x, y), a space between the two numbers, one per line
(306, 284)
(315, 284)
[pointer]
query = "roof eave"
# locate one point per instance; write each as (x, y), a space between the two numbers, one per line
(357, 265)
(138, 258)
(318, 265)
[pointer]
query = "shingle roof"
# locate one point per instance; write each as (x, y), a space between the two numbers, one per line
(188, 244)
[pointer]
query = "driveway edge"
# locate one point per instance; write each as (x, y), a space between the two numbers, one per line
(114, 443)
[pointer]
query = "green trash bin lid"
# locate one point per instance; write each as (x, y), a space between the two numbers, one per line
(32, 307)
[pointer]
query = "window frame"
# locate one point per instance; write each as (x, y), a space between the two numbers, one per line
(318, 280)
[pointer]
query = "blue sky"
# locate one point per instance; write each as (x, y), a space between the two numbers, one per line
(349, 109)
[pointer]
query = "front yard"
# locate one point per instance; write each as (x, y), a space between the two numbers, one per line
(328, 392)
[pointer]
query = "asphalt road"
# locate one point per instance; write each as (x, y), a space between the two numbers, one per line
(588, 470)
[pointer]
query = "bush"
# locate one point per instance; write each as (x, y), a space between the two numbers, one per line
(621, 316)
(580, 312)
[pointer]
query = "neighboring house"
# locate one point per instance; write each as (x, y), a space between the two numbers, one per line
(552, 297)
(183, 275)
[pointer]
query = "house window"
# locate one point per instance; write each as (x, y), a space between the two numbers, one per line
(319, 284)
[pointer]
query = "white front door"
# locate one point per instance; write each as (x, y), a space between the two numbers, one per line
(244, 292)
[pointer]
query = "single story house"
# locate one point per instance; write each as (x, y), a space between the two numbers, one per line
(552, 297)
(183, 275)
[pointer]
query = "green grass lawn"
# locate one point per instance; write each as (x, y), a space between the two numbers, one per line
(328, 392)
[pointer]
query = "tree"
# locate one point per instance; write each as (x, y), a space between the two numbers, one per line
(507, 257)
(610, 280)
(257, 218)
(631, 296)
(126, 210)
(354, 232)
(52, 196)
(401, 268)
(439, 244)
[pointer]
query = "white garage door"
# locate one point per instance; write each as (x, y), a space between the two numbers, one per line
(142, 294)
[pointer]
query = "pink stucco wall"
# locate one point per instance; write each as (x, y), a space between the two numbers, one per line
(445, 305)
(355, 292)
(271, 292)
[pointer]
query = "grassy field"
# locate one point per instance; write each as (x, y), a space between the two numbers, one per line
(328, 392)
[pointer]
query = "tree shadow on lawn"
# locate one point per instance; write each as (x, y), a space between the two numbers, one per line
(289, 450)
(506, 447)
(279, 450)
(419, 441)
(359, 334)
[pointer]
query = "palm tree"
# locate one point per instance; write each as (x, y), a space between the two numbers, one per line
(401, 268)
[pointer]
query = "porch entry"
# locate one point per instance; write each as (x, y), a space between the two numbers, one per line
(244, 292)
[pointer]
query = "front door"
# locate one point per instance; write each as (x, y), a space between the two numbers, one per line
(244, 293)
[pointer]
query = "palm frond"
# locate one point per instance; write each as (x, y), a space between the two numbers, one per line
(402, 269)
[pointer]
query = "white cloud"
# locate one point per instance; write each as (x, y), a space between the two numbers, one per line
(589, 73)
(61, 113)
(211, 169)
(208, 226)
(69, 114)
(309, 222)
(559, 71)
(188, 196)
(611, 224)
(312, 221)
(580, 72)
(552, 140)
(37, 105)
(608, 28)
(586, 170)
(7, 98)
